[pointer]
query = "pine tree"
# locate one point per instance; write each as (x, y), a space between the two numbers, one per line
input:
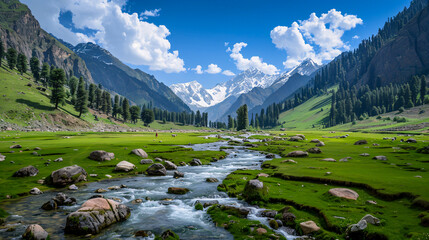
(108, 103)
(91, 95)
(73, 85)
(44, 74)
(21, 64)
(242, 118)
(98, 98)
(2, 53)
(134, 113)
(58, 78)
(148, 116)
(81, 103)
(116, 106)
(11, 58)
(230, 122)
(35, 68)
(125, 110)
(422, 88)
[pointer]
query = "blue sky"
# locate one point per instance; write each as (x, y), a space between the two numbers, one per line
(198, 30)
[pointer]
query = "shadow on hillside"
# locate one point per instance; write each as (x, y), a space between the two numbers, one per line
(321, 104)
(35, 105)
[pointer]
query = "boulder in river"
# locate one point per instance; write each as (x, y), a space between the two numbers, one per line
(241, 212)
(309, 227)
(178, 174)
(207, 203)
(212, 180)
(169, 235)
(288, 217)
(297, 154)
(344, 193)
(60, 199)
(101, 155)
(156, 169)
(95, 215)
(255, 191)
(35, 232)
(124, 166)
(140, 152)
(177, 190)
(195, 162)
(35, 191)
(68, 175)
(169, 165)
(29, 171)
(361, 142)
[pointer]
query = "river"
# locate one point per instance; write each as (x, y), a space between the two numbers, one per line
(155, 214)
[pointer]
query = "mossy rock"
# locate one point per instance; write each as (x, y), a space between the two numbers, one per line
(255, 190)
(199, 206)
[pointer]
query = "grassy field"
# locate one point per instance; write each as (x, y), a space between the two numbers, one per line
(304, 185)
(76, 149)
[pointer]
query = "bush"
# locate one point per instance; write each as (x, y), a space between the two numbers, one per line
(422, 111)
(401, 109)
(379, 117)
(399, 119)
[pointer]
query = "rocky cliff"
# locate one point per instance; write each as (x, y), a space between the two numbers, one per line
(20, 30)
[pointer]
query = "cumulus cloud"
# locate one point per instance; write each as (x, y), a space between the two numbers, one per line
(355, 37)
(213, 69)
(125, 35)
(198, 69)
(243, 63)
(149, 13)
(318, 38)
(228, 73)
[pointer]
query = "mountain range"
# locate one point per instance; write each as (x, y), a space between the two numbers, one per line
(251, 87)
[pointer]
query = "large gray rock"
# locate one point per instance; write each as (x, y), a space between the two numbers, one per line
(68, 175)
(361, 225)
(371, 219)
(101, 155)
(382, 158)
(146, 161)
(169, 165)
(254, 190)
(195, 162)
(344, 193)
(178, 174)
(309, 227)
(314, 150)
(60, 199)
(156, 169)
(124, 166)
(95, 215)
(29, 171)
(361, 142)
(140, 152)
(297, 154)
(35, 232)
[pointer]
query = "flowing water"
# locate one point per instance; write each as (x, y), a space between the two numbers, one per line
(155, 214)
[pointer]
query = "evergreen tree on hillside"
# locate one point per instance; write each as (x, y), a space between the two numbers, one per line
(98, 98)
(35, 68)
(44, 74)
(11, 57)
(422, 88)
(58, 78)
(116, 106)
(21, 63)
(73, 85)
(107, 103)
(125, 110)
(134, 113)
(230, 122)
(81, 103)
(148, 116)
(91, 95)
(2, 53)
(242, 118)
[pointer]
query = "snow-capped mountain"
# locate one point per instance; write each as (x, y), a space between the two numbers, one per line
(193, 94)
(305, 68)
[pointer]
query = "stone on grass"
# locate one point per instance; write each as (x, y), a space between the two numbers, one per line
(35, 154)
(101, 155)
(195, 162)
(140, 152)
(289, 161)
(158, 159)
(344, 193)
(169, 165)
(146, 161)
(314, 150)
(346, 159)
(360, 226)
(297, 154)
(37, 148)
(320, 144)
(371, 219)
(262, 175)
(411, 140)
(156, 169)
(35, 232)
(364, 154)
(93, 175)
(16, 146)
(178, 174)
(29, 171)
(295, 139)
(328, 160)
(270, 155)
(309, 227)
(177, 190)
(361, 142)
(35, 191)
(288, 217)
(261, 231)
(2, 157)
(382, 158)
(68, 175)
(255, 191)
(315, 141)
(124, 166)
(58, 160)
(212, 180)
(95, 215)
(371, 202)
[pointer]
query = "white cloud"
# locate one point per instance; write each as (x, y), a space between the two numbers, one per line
(125, 35)
(246, 63)
(323, 33)
(213, 69)
(149, 13)
(355, 37)
(198, 69)
(226, 44)
(228, 73)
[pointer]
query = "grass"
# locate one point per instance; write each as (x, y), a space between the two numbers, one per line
(304, 185)
(76, 149)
